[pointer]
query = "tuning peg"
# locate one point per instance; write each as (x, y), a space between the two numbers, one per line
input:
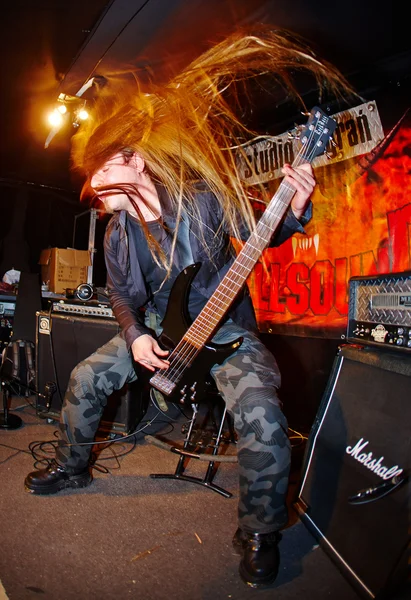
(333, 143)
(306, 114)
(328, 155)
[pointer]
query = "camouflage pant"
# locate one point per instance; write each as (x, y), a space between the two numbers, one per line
(247, 381)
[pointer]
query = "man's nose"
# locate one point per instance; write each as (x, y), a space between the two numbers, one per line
(96, 180)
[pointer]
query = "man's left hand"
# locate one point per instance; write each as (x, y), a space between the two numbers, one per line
(302, 179)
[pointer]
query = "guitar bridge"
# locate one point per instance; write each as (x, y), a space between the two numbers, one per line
(162, 384)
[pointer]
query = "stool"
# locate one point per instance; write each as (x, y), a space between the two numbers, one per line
(202, 443)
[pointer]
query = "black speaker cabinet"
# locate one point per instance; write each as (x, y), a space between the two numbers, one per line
(62, 341)
(355, 494)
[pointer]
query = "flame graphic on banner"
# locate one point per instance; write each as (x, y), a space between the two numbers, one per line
(361, 226)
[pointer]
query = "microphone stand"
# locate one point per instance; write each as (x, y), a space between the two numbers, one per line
(8, 421)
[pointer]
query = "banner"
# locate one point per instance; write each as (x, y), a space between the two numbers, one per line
(361, 226)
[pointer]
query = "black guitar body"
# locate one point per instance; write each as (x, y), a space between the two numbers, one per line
(195, 382)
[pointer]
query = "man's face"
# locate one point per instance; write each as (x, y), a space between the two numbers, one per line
(115, 172)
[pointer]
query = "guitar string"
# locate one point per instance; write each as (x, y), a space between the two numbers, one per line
(185, 351)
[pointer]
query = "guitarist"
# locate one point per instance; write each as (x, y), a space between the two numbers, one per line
(140, 161)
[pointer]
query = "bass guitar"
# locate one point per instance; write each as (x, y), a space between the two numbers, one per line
(187, 380)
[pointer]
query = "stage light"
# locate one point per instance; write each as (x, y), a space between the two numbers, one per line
(82, 114)
(72, 107)
(55, 118)
(69, 110)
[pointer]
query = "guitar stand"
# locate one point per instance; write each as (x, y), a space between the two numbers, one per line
(197, 445)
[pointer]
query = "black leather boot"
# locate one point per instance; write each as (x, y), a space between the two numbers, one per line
(260, 557)
(55, 478)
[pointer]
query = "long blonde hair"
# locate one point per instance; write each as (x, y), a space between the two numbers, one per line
(186, 129)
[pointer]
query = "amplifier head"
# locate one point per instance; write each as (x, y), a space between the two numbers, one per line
(380, 310)
(84, 309)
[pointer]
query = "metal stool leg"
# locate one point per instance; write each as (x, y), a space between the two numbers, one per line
(185, 454)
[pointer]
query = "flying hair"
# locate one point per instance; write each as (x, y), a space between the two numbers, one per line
(190, 128)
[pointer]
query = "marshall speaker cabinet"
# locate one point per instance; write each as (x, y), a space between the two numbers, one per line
(62, 341)
(355, 494)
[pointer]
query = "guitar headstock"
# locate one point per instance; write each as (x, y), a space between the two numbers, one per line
(315, 135)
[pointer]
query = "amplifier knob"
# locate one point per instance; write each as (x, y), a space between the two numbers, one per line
(400, 341)
(409, 344)
(400, 330)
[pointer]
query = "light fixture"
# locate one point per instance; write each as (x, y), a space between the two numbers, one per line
(82, 114)
(79, 114)
(68, 109)
(55, 119)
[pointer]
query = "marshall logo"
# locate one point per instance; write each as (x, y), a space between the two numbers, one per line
(368, 460)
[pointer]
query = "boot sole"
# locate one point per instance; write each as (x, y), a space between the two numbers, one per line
(254, 582)
(79, 481)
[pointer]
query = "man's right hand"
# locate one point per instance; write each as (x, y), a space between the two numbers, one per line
(148, 353)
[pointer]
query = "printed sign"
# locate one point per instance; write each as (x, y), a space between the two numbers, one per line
(358, 131)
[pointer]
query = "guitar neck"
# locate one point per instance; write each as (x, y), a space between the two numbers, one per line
(314, 138)
(217, 306)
